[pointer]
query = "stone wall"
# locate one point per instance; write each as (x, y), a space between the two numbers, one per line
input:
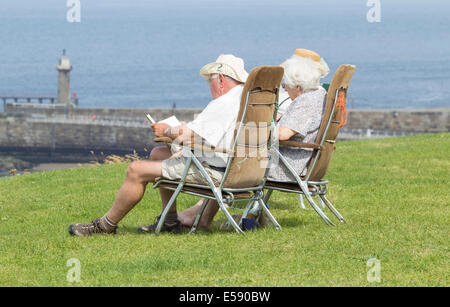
(70, 142)
(414, 120)
(28, 110)
(28, 131)
(408, 120)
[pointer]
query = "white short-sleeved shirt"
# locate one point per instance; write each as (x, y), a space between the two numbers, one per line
(216, 124)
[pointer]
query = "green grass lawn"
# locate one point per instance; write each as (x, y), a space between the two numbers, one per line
(393, 192)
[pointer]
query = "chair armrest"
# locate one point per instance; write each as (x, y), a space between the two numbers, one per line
(202, 147)
(300, 145)
(210, 149)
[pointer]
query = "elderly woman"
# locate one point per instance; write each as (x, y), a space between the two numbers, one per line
(300, 122)
(302, 118)
(321, 66)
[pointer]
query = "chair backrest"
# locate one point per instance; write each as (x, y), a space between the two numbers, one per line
(331, 120)
(253, 125)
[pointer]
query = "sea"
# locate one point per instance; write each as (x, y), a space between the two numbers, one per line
(147, 54)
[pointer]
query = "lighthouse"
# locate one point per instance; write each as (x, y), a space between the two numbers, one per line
(64, 69)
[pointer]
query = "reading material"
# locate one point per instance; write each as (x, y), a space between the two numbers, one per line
(150, 119)
(171, 121)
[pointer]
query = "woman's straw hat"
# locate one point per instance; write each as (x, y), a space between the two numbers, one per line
(322, 66)
(226, 64)
(305, 53)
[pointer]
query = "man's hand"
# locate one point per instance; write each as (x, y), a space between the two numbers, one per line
(182, 133)
(158, 128)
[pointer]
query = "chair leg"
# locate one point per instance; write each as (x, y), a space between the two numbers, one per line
(333, 209)
(325, 218)
(269, 215)
(301, 202)
(167, 208)
(218, 195)
(246, 211)
(229, 217)
(267, 196)
(322, 204)
(199, 215)
(225, 211)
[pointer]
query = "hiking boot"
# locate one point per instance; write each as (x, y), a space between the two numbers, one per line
(166, 227)
(87, 229)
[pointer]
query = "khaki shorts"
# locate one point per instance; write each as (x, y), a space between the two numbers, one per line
(173, 169)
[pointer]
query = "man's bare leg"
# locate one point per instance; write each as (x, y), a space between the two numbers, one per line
(161, 153)
(139, 173)
(187, 217)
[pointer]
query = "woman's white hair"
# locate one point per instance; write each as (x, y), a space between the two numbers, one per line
(304, 72)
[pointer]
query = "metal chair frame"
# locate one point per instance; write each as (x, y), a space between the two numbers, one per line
(224, 202)
(318, 188)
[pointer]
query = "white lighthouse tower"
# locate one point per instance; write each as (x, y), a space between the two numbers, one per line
(64, 69)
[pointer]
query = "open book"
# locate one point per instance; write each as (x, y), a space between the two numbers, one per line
(171, 121)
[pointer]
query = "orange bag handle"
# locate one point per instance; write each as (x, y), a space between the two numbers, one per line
(341, 105)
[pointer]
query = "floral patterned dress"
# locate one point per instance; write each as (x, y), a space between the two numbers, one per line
(303, 116)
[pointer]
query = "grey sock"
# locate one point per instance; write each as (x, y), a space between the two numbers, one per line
(107, 224)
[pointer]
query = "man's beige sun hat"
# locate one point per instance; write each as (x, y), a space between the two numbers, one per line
(226, 64)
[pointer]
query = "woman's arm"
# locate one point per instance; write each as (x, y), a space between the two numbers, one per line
(285, 133)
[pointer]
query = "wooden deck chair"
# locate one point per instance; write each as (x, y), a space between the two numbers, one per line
(334, 117)
(246, 169)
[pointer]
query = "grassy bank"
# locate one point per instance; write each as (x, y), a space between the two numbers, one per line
(393, 192)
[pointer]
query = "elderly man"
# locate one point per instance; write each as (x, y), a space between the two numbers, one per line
(226, 77)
